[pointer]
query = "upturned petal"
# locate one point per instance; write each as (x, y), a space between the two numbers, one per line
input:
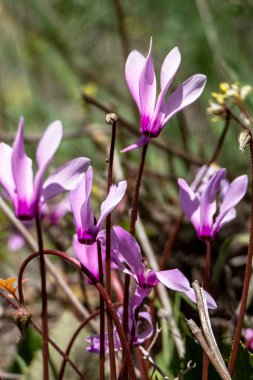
(23, 177)
(47, 147)
(65, 178)
(81, 208)
(134, 66)
(114, 196)
(184, 95)
(6, 176)
(168, 71)
(208, 203)
(147, 88)
(235, 192)
(189, 202)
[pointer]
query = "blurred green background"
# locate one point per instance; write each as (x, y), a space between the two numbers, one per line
(52, 50)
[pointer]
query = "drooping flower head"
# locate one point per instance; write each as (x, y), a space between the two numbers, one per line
(206, 214)
(16, 175)
(80, 200)
(127, 256)
(141, 80)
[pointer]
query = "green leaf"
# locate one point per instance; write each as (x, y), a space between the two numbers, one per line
(244, 364)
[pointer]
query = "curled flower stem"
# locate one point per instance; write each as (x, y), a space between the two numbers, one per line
(101, 290)
(108, 258)
(53, 344)
(246, 282)
(44, 316)
(102, 317)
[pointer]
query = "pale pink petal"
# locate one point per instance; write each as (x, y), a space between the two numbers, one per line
(134, 66)
(184, 95)
(174, 279)
(65, 178)
(168, 71)
(6, 176)
(22, 168)
(147, 88)
(234, 193)
(80, 203)
(115, 195)
(208, 202)
(189, 203)
(139, 143)
(47, 147)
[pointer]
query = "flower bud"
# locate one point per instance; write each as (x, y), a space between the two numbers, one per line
(22, 318)
(111, 118)
(244, 139)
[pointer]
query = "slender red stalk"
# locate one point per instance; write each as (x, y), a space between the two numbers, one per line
(102, 316)
(134, 211)
(108, 259)
(207, 277)
(100, 289)
(44, 316)
(246, 282)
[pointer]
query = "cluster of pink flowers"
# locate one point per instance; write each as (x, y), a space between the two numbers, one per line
(30, 195)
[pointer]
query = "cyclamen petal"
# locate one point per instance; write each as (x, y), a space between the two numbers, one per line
(66, 178)
(134, 66)
(23, 176)
(6, 176)
(200, 206)
(141, 80)
(174, 279)
(16, 176)
(116, 193)
(184, 95)
(47, 147)
(143, 140)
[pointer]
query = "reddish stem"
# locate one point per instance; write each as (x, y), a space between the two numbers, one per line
(101, 290)
(134, 211)
(246, 282)
(44, 316)
(108, 260)
(102, 316)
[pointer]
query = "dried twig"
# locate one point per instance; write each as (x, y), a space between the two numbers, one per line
(205, 336)
(147, 356)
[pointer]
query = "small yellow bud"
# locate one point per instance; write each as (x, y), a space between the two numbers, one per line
(224, 87)
(22, 318)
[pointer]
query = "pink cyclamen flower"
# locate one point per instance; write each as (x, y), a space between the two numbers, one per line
(141, 81)
(80, 200)
(206, 215)
(127, 256)
(16, 175)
